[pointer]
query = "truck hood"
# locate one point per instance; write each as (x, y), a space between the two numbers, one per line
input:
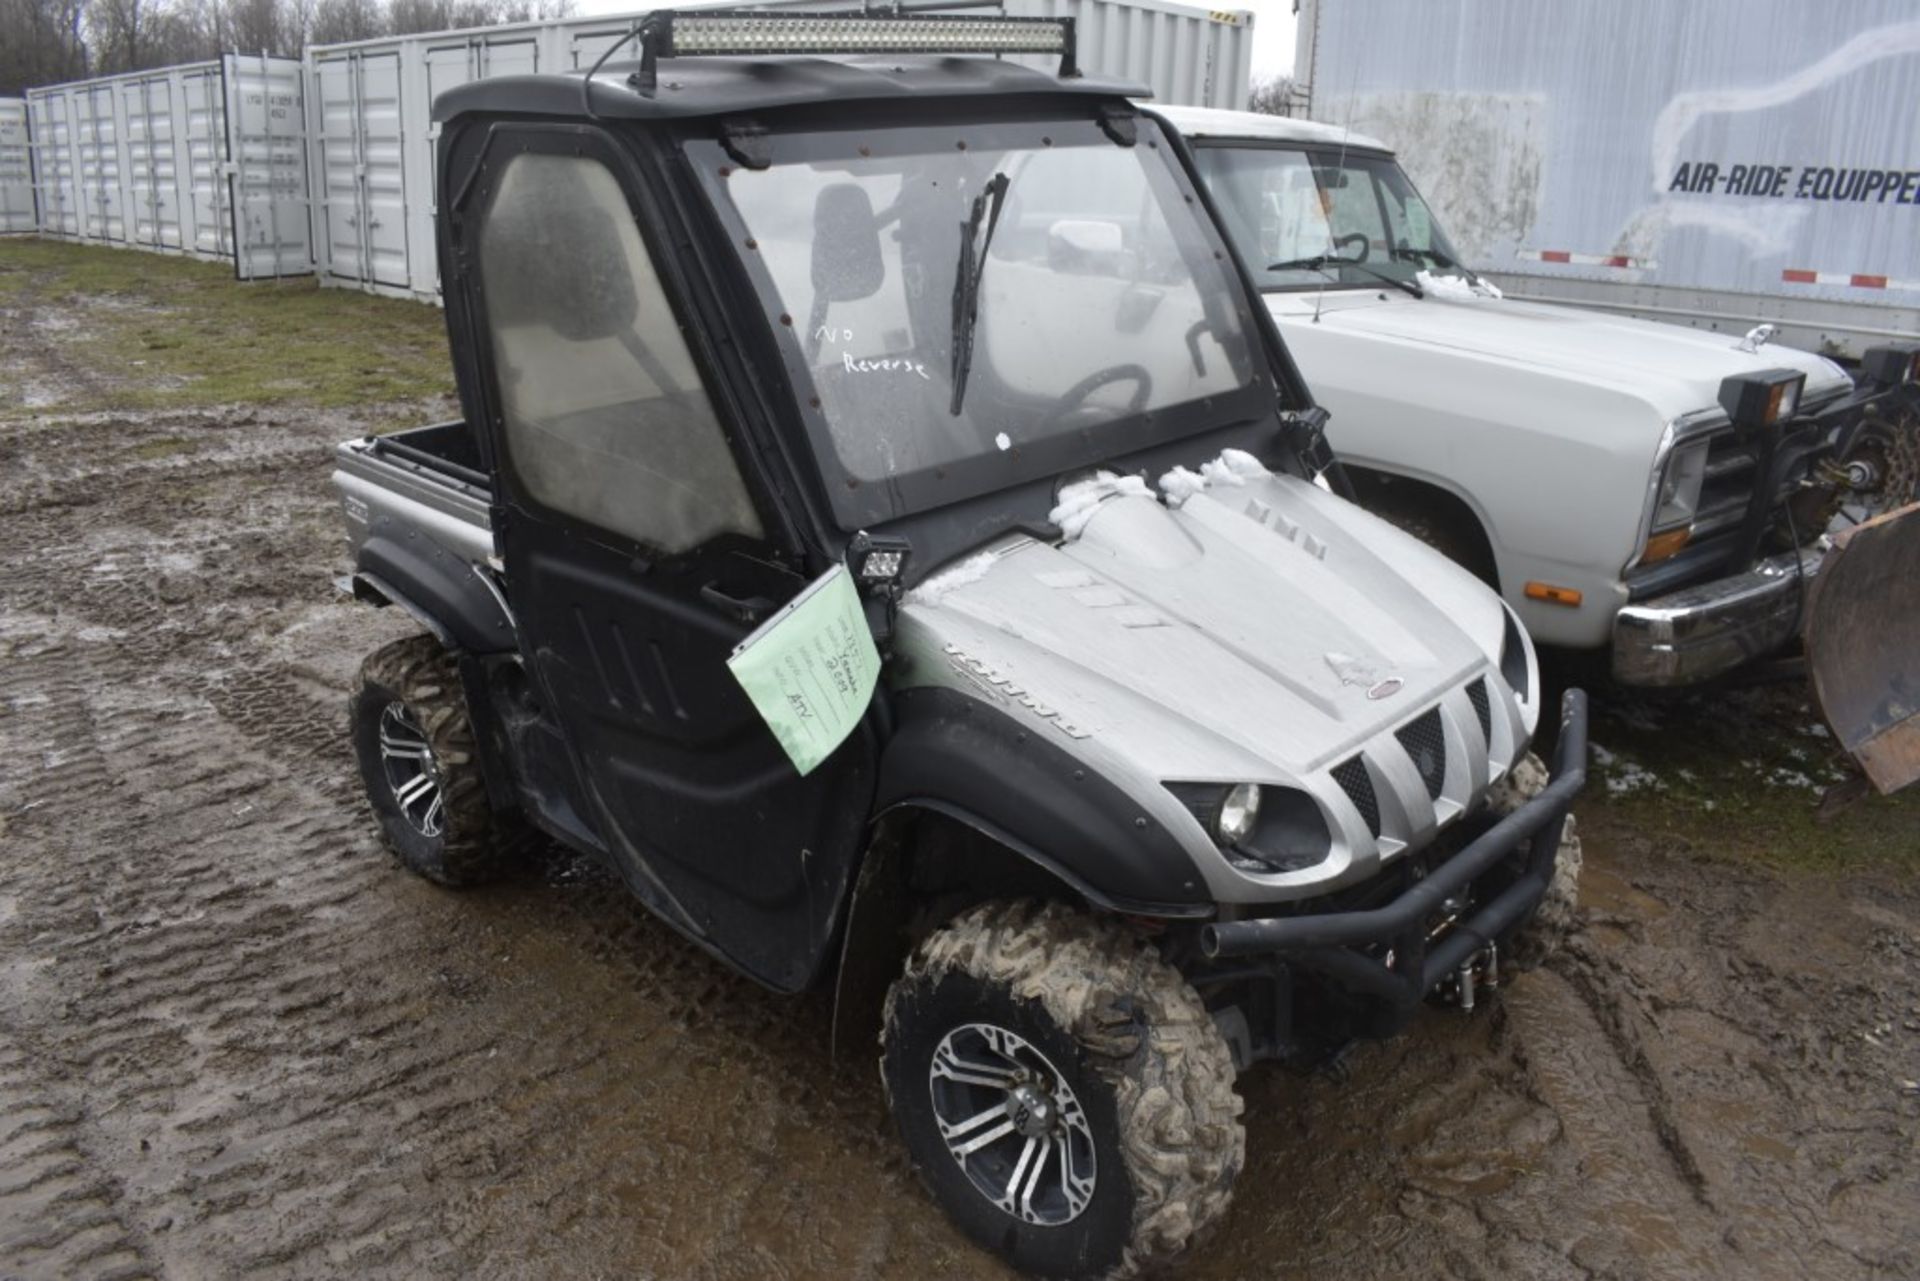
(1261, 629)
(1677, 370)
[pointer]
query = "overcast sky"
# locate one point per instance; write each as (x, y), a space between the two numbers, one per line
(1273, 38)
(1272, 29)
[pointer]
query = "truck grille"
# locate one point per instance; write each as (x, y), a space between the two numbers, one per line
(1426, 743)
(1477, 693)
(1355, 782)
(1729, 481)
(1730, 476)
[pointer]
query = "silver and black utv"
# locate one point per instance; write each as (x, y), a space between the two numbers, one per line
(1177, 761)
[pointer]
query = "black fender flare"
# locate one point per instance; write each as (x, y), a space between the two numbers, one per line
(954, 754)
(959, 758)
(444, 592)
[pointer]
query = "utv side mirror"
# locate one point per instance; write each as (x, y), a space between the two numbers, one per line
(847, 265)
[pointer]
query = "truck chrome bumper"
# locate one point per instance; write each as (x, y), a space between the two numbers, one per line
(1420, 958)
(1699, 632)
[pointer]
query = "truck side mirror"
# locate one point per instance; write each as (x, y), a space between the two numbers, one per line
(847, 265)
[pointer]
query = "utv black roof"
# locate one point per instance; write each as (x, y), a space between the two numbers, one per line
(728, 85)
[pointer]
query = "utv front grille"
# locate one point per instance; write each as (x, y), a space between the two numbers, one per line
(1477, 694)
(1358, 785)
(1426, 743)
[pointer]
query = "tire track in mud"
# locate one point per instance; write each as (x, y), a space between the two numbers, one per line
(265, 1018)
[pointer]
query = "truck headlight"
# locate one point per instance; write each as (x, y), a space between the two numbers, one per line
(1764, 399)
(1676, 501)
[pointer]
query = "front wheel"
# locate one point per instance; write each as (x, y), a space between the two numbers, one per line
(1535, 942)
(1062, 1091)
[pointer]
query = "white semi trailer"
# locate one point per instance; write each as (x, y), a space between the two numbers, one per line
(1716, 165)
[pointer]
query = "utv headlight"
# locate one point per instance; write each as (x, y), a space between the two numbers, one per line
(1238, 812)
(1261, 829)
(1761, 400)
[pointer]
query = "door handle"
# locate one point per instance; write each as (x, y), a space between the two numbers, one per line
(747, 609)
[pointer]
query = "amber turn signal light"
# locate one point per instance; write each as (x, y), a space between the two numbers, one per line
(1663, 546)
(1553, 595)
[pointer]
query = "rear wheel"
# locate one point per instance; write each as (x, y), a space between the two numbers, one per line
(414, 742)
(1062, 1091)
(1534, 943)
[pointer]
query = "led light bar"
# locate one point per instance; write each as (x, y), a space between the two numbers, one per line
(692, 35)
(686, 35)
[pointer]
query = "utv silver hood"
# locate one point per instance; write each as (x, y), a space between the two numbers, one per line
(1263, 632)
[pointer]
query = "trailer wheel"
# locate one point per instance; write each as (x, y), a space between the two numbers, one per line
(1535, 942)
(414, 742)
(1062, 1091)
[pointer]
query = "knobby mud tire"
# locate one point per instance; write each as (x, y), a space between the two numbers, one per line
(475, 845)
(1534, 943)
(1142, 1042)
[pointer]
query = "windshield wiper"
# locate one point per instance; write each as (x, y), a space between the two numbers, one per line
(1320, 263)
(966, 280)
(1438, 259)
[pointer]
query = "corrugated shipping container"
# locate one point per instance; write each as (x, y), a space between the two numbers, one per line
(370, 108)
(16, 169)
(207, 159)
(1719, 165)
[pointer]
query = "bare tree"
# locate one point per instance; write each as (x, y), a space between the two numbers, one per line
(44, 43)
(1273, 95)
(339, 21)
(49, 41)
(120, 30)
(259, 26)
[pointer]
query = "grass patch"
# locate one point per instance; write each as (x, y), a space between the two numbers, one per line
(159, 447)
(1740, 774)
(167, 332)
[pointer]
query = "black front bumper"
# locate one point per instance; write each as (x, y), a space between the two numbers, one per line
(1414, 964)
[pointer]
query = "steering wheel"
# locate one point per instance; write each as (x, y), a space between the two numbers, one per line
(1360, 237)
(1071, 399)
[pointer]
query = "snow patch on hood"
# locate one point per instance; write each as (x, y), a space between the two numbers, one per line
(1233, 468)
(1457, 288)
(1078, 500)
(971, 570)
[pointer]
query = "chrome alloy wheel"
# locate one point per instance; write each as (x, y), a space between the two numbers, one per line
(411, 772)
(1013, 1123)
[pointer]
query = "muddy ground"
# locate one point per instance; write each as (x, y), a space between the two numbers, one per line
(236, 1040)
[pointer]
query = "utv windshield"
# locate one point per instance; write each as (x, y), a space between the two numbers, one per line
(967, 307)
(1312, 219)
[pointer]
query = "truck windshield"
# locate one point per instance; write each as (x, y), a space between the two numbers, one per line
(1357, 216)
(1067, 279)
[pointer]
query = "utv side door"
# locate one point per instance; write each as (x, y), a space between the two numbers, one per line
(639, 551)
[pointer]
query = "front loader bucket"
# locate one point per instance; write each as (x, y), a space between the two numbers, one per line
(1863, 645)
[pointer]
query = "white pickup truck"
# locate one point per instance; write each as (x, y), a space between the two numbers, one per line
(1605, 474)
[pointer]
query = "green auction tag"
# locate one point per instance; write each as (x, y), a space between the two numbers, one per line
(811, 668)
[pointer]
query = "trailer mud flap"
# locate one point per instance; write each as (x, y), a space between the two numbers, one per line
(1863, 645)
